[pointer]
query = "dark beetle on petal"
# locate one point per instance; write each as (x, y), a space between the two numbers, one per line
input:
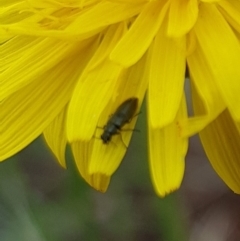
(124, 113)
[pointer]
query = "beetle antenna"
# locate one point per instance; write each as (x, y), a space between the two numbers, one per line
(137, 130)
(135, 116)
(140, 112)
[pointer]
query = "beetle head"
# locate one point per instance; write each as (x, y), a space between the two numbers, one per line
(106, 137)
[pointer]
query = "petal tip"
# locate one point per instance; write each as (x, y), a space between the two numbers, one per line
(99, 182)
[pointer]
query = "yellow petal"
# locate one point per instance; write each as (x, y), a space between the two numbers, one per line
(4, 3)
(84, 24)
(210, 1)
(205, 94)
(166, 78)
(202, 118)
(97, 161)
(54, 3)
(106, 158)
(221, 141)
(182, 16)
(167, 153)
(23, 19)
(81, 152)
(55, 136)
(101, 15)
(89, 99)
(12, 12)
(137, 40)
(26, 113)
(12, 50)
(230, 10)
(132, 1)
(191, 43)
(108, 40)
(222, 52)
(34, 60)
(91, 93)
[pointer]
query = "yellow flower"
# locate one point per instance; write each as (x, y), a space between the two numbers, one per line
(66, 65)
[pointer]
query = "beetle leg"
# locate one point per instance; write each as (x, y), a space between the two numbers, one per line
(131, 130)
(123, 141)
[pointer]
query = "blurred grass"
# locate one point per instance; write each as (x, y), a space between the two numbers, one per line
(41, 201)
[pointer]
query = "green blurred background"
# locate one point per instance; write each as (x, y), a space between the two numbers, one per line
(40, 201)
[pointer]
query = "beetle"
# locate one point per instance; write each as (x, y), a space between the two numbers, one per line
(124, 113)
